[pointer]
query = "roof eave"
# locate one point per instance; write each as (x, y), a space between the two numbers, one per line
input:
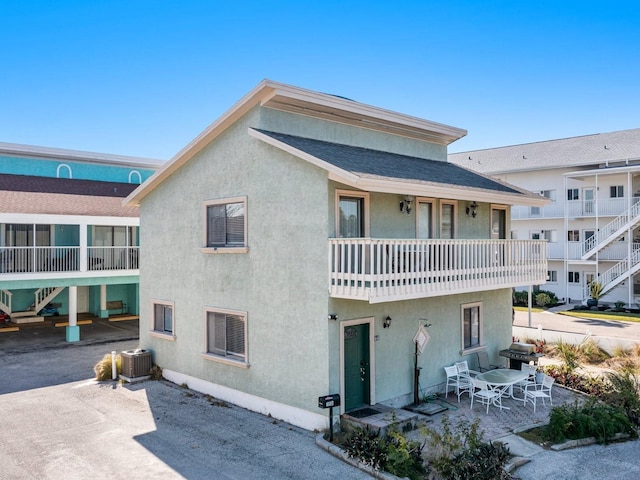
(273, 94)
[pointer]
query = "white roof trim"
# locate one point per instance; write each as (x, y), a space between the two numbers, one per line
(82, 156)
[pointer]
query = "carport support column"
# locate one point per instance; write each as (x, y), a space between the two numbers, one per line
(73, 330)
(104, 313)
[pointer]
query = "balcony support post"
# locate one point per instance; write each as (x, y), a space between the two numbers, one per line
(104, 313)
(73, 330)
(83, 248)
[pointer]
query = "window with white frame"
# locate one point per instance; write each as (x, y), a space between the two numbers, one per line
(226, 335)
(573, 235)
(163, 318)
(552, 276)
(574, 277)
(616, 191)
(573, 194)
(226, 225)
(471, 320)
(550, 194)
(534, 211)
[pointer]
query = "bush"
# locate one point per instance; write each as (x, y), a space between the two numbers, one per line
(592, 385)
(103, 369)
(392, 453)
(625, 393)
(542, 299)
(593, 419)
(462, 454)
(520, 298)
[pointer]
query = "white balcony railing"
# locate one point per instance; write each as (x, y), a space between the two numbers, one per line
(380, 270)
(66, 259)
(606, 207)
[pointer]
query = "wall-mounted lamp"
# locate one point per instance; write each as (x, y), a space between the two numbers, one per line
(427, 323)
(387, 322)
(333, 316)
(472, 209)
(405, 205)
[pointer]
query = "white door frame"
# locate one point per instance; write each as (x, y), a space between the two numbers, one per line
(372, 357)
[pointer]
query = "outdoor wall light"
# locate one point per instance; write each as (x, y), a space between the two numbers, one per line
(427, 323)
(387, 322)
(333, 316)
(405, 205)
(472, 209)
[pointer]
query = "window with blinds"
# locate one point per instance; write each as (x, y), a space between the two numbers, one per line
(226, 224)
(226, 335)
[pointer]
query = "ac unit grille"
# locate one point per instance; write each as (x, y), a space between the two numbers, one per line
(135, 363)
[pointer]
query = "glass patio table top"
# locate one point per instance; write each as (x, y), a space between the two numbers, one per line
(503, 376)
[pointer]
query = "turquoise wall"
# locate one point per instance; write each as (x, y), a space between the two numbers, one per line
(86, 171)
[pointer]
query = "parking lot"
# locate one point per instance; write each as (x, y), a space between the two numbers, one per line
(58, 423)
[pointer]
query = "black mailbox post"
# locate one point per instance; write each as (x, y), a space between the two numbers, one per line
(329, 401)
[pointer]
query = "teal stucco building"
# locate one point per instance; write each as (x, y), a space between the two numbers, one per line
(67, 244)
(299, 245)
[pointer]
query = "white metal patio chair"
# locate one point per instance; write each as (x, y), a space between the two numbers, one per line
(460, 383)
(485, 394)
(541, 390)
(530, 380)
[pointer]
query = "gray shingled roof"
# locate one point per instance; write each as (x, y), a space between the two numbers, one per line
(566, 152)
(31, 183)
(368, 163)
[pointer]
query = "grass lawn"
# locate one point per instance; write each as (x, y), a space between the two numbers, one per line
(614, 316)
(526, 309)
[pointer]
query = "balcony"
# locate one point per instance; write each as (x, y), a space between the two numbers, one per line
(383, 270)
(20, 262)
(606, 207)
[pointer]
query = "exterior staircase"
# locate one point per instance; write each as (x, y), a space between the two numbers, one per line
(5, 301)
(617, 274)
(605, 236)
(611, 231)
(42, 297)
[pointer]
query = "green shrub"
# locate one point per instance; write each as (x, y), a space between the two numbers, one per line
(392, 453)
(592, 419)
(569, 354)
(543, 299)
(103, 369)
(520, 298)
(462, 454)
(367, 446)
(625, 393)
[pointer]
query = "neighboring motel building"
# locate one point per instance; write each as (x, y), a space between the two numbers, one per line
(66, 240)
(297, 246)
(591, 223)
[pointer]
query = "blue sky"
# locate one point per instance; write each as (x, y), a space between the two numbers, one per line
(143, 77)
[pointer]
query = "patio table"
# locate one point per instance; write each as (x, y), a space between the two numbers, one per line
(503, 380)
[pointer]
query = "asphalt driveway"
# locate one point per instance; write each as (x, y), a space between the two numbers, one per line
(58, 423)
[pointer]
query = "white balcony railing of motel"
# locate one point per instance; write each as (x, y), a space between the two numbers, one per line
(66, 259)
(380, 270)
(575, 208)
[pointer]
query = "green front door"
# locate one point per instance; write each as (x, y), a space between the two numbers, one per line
(356, 366)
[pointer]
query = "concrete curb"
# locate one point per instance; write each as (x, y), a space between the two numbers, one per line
(582, 442)
(337, 452)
